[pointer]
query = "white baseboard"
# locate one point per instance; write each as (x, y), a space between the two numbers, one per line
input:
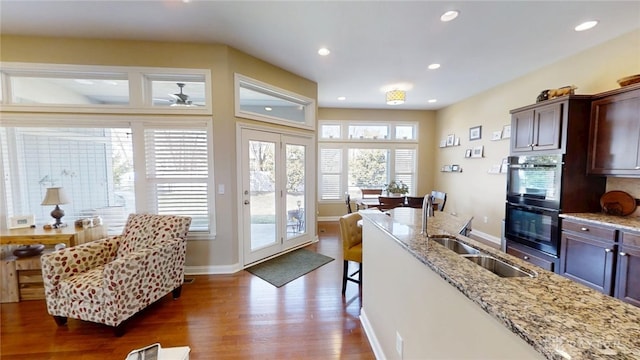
(485, 236)
(371, 335)
(328, 218)
(212, 269)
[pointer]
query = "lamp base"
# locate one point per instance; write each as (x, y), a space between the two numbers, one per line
(57, 214)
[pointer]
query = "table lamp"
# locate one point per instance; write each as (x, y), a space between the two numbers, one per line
(56, 196)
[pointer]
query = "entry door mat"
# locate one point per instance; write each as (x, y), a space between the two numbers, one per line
(288, 267)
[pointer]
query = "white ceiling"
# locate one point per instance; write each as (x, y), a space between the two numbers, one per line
(374, 44)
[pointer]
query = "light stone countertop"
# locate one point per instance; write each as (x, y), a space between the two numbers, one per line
(619, 222)
(560, 318)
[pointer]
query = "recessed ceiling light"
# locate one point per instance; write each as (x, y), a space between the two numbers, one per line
(433, 66)
(432, 100)
(586, 25)
(268, 108)
(342, 98)
(449, 15)
(324, 52)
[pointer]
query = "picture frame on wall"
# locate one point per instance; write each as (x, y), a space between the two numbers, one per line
(497, 135)
(450, 139)
(506, 131)
(475, 133)
(477, 151)
(467, 153)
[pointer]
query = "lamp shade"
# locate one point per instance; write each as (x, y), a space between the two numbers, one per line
(396, 97)
(55, 196)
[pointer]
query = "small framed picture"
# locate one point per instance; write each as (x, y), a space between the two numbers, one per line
(467, 153)
(455, 168)
(506, 131)
(443, 143)
(497, 135)
(475, 133)
(450, 139)
(457, 142)
(22, 221)
(477, 151)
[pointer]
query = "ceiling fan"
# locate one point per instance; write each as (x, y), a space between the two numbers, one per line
(181, 99)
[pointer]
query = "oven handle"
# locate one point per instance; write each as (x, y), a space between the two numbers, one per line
(533, 208)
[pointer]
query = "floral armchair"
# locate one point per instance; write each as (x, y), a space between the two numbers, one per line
(109, 280)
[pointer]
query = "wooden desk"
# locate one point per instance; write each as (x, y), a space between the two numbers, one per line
(22, 277)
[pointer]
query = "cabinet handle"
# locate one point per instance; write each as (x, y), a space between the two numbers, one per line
(607, 250)
(584, 229)
(525, 257)
(623, 253)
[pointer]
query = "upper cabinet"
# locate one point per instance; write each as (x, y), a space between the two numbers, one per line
(544, 126)
(614, 137)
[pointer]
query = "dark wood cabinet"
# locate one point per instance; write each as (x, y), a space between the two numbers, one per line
(537, 129)
(587, 255)
(628, 273)
(533, 256)
(544, 126)
(614, 136)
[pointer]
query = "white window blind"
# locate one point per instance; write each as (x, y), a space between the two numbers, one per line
(405, 167)
(177, 171)
(330, 173)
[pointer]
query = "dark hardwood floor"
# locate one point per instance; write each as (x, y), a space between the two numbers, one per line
(238, 316)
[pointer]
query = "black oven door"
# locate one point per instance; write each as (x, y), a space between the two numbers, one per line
(534, 227)
(535, 180)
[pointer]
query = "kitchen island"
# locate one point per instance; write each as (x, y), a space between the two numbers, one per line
(422, 300)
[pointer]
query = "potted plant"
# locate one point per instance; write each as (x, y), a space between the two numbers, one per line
(396, 188)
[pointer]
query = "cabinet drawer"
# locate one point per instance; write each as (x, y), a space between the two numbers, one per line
(630, 239)
(535, 260)
(599, 232)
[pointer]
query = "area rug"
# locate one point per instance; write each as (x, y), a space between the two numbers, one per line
(288, 267)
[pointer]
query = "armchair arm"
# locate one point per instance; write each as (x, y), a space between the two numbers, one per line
(64, 263)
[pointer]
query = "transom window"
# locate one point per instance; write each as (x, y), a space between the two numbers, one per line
(358, 155)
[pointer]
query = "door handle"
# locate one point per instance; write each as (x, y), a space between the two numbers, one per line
(246, 202)
(622, 253)
(584, 229)
(607, 250)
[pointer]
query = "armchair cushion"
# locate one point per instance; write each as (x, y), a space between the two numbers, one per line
(146, 230)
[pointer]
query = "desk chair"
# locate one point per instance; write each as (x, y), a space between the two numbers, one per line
(351, 236)
(371, 193)
(439, 197)
(387, 203)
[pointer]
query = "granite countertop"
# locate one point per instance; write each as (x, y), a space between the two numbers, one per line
(619, 222)
(560, 318)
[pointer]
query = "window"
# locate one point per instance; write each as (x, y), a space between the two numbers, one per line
(370, 156)
(263, 102)
(89, 129)
(96, 167)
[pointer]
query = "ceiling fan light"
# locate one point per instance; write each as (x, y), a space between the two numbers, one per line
(396, 97)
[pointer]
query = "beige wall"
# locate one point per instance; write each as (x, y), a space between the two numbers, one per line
(223, 61)
(426, 155)
(474, 191)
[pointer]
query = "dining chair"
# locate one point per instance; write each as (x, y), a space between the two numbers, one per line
(387, 202)
(351, 236)
(415, 201)
(347, 200)
(440, 198)
(371, 193)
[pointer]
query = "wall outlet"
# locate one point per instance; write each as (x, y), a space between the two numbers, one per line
(399, 344)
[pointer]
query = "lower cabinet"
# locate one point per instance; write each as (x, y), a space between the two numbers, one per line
(535, 257)
(628, 272)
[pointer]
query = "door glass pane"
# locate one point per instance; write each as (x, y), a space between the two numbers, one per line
(295, 165)
(262, 175)
(368, 168)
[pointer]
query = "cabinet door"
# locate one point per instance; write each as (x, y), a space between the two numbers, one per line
(614, 144)
(628, 274)
(547, 127)
(587, 261)
(522, 131)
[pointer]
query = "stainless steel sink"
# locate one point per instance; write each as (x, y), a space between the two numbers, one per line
(496, 266)
(451, 243)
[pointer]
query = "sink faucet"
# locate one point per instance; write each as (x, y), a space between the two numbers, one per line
(427, 212)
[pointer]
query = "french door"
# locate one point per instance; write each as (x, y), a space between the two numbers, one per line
(276, 192)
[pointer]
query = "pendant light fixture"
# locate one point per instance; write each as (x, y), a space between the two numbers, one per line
(396, 97)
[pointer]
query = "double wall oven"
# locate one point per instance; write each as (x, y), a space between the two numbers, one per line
(533, 201)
